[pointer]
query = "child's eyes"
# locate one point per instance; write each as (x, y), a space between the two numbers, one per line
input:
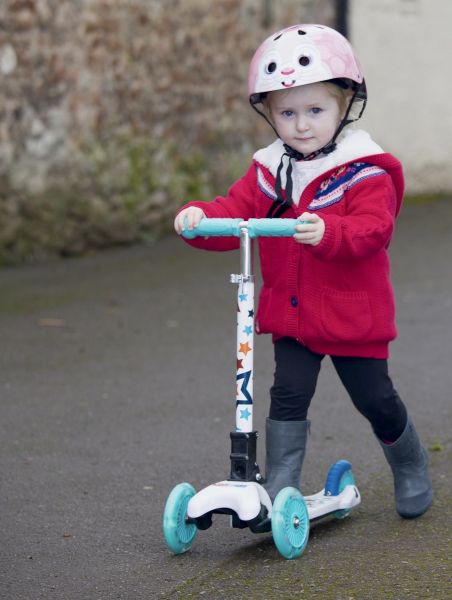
(288, 114)
(316, 110)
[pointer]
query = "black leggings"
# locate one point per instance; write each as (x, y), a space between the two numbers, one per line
(365, 379)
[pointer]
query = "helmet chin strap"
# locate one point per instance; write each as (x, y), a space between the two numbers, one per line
(284, 201)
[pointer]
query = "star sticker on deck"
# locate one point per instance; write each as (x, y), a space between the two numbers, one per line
(248, 330)
(243, 297)
(245, 348)
(245, 414)
(239, 363)
(251, 313)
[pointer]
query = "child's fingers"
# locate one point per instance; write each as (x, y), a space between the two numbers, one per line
(194, 217)
(181, 221)
(307, 236)
(309, 217)
(188, 219)
(178, 224)
(306, 227)
(309, 232)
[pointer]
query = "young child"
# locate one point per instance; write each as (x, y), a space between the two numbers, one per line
(327, 291)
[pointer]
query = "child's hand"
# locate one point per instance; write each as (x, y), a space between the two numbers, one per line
(188, 218)
(310, 232)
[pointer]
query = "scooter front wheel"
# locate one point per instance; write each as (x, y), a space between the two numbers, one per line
(339, 476)
(290, 523)
(179, 534)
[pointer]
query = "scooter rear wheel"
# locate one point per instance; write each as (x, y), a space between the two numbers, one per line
(290, 523)
(179, 534)
(339, 476)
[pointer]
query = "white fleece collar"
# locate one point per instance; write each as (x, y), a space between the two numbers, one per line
(352, 144)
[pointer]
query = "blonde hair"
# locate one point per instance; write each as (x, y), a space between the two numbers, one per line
(343, 96)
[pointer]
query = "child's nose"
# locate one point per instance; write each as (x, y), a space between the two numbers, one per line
(302, 123)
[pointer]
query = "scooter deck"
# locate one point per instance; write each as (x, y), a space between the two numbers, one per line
(247, 498)
(319, 505)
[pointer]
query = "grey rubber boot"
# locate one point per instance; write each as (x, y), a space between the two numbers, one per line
(409, 464)
(285, 450)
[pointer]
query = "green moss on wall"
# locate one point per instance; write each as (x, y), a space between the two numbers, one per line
(123, 191)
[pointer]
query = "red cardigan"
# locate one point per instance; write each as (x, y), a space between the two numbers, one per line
(336, 298)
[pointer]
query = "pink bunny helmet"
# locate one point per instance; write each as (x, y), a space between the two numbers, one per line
(299, 55)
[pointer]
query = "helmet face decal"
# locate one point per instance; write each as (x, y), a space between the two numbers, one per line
(300, 55)
(290, 65)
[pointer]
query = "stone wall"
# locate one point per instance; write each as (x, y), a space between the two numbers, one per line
(113, 112)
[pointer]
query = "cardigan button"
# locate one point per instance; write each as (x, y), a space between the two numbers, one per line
(294, 301)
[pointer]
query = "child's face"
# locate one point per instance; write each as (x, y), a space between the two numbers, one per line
(305, 117)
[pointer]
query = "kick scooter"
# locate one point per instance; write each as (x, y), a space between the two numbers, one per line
(243, 495)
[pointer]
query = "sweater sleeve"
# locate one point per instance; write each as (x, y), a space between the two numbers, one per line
(238, 203)
(367, 226)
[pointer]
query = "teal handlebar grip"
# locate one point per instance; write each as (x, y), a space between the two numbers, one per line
(272, 227)
(214, 227)
(231, 228)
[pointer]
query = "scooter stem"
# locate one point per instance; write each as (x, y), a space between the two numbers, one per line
(245, 334)
(243, 439)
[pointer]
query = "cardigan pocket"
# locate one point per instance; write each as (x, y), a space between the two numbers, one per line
(345, 316)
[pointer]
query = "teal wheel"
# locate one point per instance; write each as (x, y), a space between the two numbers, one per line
(290, 523)
(179, 534)
(339, 476)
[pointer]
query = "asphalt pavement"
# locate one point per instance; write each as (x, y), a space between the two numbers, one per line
(117, 382)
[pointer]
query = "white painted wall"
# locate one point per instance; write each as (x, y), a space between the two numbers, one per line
(405, 48)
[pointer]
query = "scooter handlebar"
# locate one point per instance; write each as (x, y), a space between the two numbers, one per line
(214, 227)
(232, 227)
(272, 227)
